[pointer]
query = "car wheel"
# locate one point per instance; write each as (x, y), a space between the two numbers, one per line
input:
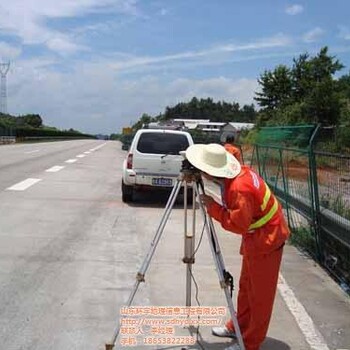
(127, 193)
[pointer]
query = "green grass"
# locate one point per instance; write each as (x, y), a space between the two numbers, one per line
(303, 237)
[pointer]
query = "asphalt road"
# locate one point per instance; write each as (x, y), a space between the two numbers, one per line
(70, 249)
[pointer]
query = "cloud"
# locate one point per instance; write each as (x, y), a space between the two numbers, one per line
(313, 35)
(63, 45)
(221, 88)
(8, 52)
(344, 32)
(163, 12)
(94, 99)
(129, 62)
(293, 10)
(30, 19)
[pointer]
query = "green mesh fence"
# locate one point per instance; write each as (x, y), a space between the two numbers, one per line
(334, 211)
(287, 136)
(314, 188)
(287, 172)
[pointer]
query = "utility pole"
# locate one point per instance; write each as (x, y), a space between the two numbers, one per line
(4, 68)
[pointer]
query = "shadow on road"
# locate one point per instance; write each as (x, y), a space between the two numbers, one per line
(274, 344)
(156, 200)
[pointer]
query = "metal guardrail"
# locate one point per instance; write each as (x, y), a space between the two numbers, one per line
(13, 139)
(41, 138)
(7, 139)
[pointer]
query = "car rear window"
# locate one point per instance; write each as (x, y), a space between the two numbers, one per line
(162, 143)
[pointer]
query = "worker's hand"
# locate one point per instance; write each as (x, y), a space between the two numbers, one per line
(206, 200)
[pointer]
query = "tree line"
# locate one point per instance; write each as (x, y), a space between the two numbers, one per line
(31, 125)
(207, 108)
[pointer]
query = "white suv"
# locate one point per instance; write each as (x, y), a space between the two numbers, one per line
(153, 160)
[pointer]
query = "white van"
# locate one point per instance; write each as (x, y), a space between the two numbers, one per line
(153, 160)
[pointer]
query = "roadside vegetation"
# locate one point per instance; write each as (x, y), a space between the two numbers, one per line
(308, 92)
(31, 126)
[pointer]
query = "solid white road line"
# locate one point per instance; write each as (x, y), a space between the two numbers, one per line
(87, 152)
(54, 169)
(304, 321)
(81, 156)
(21, 186)
(71, 160)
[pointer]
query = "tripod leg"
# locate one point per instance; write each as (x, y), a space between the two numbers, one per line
(189, 237)
(219, 263)
(140, 277)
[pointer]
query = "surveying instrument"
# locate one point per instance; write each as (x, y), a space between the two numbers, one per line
(188, 175)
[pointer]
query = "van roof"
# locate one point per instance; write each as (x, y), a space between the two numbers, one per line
(162, 131)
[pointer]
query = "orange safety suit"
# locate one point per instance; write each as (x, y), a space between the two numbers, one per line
(251, 210)
(235, 151)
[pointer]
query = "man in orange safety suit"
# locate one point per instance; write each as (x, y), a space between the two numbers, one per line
(252, 211)
(231, 148)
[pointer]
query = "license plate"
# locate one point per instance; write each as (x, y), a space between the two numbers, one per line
(162, 182)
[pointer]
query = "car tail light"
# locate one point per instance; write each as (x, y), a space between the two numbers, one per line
(129, 161)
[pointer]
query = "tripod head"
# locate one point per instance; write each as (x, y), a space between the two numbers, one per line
(188, 172)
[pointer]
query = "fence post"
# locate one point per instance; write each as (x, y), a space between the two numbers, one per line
(314, 194)
(258, 158)
(285, 188)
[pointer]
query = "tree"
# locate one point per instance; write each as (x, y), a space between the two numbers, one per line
(307, 89)
(322, 100)
(33, 120)
(343, 86)
(248, 114)
(276, 88)
(145, 119)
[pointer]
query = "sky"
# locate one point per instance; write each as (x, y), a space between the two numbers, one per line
(98, 65)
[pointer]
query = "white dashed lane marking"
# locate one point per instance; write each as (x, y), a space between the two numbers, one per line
(54, 169)
(98, 147)
(35, 151)
(23, 185)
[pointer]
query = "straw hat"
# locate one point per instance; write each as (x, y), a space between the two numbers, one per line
(214, 160)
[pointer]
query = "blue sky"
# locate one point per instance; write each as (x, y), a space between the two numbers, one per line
(97, 65)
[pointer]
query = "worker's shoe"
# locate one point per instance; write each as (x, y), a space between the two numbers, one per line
(223, 332)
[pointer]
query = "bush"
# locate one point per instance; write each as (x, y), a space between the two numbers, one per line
(22, 132)
(250, 138)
